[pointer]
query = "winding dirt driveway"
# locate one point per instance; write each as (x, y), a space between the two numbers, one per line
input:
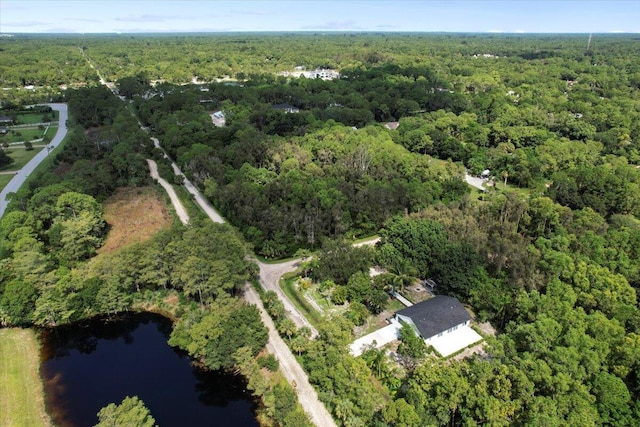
(177, 204)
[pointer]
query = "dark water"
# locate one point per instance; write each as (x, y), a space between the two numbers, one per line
(86, 367)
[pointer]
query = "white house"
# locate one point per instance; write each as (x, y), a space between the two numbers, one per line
(442, 322)
(287, 108)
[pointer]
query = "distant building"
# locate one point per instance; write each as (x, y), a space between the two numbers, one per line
(6, 120)
(392, 125)
(287, 108)
(321, 73)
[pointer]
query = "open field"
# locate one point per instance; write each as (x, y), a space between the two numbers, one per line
(20, 157)
(134, 215)
(22, 401)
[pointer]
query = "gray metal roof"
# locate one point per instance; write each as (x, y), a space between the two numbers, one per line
(436, 315)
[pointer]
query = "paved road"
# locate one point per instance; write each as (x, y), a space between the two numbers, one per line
(20, 177)
(177, 204)
(290, 368)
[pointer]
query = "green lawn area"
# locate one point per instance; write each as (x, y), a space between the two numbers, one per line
(22, 401)
(20, 157)
(4, 180)
(25, 134)
(289, 288)
(29, 118)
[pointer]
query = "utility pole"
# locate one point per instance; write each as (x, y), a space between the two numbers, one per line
(589, 42)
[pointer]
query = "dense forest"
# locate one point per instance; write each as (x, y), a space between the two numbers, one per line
(549, 253)
(51, 274)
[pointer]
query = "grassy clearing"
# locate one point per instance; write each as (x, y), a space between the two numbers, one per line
(20, 135)
(20, 157)
(30, 118)
(188, 202)
(289, 288)
(22, 401)
(134, 215)
(4, 180)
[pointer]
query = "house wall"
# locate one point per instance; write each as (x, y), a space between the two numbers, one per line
(448, 331)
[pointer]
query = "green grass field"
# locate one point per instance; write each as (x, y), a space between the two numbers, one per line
(4, 180)
(288, 286)
(20, 157)
(22, 395)
(29, 118)
(23, 134)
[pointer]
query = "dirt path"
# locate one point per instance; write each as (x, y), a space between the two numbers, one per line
(291, 368)
(200, 200)
(369, 242)
(270, 275)
(177, 204)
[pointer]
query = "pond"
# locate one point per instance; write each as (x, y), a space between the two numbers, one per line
(89, 365)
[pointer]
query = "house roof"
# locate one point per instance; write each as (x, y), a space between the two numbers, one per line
(436, 315)
(285, 107)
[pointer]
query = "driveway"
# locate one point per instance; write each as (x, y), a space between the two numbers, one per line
(454, 341)
(376, 338)
(475, 182)
(21, 176)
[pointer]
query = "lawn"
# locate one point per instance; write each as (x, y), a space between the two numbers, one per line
(4, 180)
(20, 157)
(289, 288)
(29, 118)
(22, 401)
(24, 134)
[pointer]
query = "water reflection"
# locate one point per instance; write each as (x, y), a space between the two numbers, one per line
(87, 366)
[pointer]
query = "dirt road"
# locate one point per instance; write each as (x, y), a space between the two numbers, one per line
(177, 204)
(202, 202)
(291, 368)
(270, 275)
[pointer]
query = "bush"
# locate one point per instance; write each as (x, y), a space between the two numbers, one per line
(339, 295)
(269, 361)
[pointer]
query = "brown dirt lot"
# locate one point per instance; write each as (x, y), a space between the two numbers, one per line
(134, 215)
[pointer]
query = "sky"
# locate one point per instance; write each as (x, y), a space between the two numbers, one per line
(135, 16)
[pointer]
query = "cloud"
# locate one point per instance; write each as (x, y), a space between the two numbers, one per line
(83, 20)
(333, 25)
(28, 24)
(142, 18)
(386, 27)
